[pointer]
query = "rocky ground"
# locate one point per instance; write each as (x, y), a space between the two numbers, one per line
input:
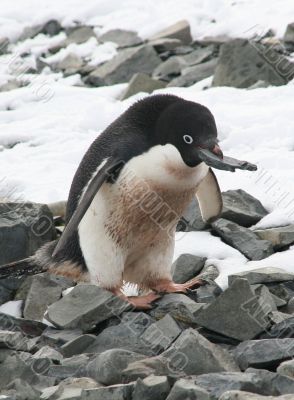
(208, 344)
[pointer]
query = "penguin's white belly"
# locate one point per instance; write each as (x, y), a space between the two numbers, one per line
(128, 231)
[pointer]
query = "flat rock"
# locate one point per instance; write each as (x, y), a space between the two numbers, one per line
(70, 64)
(24, 227)
(263, 275)
(256, 381)
(56, 337)
(115, 392)
(186, 267)
(279, 237)
(22, 390)
(242, 208)
(12, 340)
(241, 64)
(209, 273)
(242, 239)
(289, 34)
(126, 335)
(284, 329)
(152, 387)
(180, 30)
(170, 68)
(84, 307)
(186, 389)
(48, 352)
(178, 306)
(42, 293)
(121, 37)
(277, 316)
(77, 345)
(286, 368)
(265, 297)
(240, 395)
(107, 367)
(164, 44)
(266, 353)
(194, 74)
(142, 83)
(142, 369)
(206, 293)
(160, 335)
(79, 35)
(124, 65)
(192, 354)
(26, 327)
(236, 313)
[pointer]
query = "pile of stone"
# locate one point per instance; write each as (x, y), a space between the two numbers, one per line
(169, 58)
(207, 344)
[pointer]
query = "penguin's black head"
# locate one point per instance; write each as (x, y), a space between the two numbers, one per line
(189, 127)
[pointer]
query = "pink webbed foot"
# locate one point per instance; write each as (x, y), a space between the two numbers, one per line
(167, 286)
(138, 302)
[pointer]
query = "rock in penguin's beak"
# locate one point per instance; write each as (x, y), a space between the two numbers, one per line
(213, 156)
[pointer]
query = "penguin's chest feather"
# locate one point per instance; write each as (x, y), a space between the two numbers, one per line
(151, 194)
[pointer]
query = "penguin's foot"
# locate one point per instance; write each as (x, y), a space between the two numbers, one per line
(167, 286)
(138, 302)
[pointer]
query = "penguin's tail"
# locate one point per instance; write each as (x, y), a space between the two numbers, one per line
(42, 261)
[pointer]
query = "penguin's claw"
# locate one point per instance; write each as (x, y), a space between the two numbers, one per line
(143, 302)
(172, 287)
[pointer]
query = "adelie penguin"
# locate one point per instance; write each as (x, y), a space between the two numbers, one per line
(130, 189)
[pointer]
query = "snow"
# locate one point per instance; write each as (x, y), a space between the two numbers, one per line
(51, 122)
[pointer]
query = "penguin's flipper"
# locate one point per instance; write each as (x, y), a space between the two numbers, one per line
(225, 163)
(108, 172)
(209, 197)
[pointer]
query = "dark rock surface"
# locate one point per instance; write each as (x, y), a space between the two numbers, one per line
(187, 267)
(142, 83)
(121, 37)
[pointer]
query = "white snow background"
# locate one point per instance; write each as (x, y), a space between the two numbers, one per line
(54, 122)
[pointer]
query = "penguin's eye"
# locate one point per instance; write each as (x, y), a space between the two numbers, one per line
(188, 139)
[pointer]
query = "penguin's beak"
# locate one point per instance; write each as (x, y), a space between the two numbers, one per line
(213, 156)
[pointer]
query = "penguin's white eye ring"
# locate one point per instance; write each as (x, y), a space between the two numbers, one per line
(188, 139)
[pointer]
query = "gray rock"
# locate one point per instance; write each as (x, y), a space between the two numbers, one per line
(24, 326)
(164, 44)
(198, 56)
(266, 353)
(186, 389)
(71, 64)
(170, 68)
(142, 369)
(115, 392)
(186, 267)
(124, 65)
(289, 34)
(160, 335)
(276, 317)
(12, 340)
(121, 37)
(258, 85)
(142, 83)
(283, 290)
(152, 387)
(192, 220)
(69, 388)
(255, 381)
(192, 354)
(126, 335)
(5, 294)
(23, 390)
(85, 307)
(24, 227)
(263, 275)
(77, 345)
(51, 28)
(56, 337)
(208, 292)
(286, 368)
(107, 367)
(242, 239)
(4, 42)
(209, 273)
(240, 395)
(42, 293)
(265, 297)
(180, 30)
(236, 313)
(79, 35)
(15, 366)
(279, 237)
(284, 329)
(242, 63)
(11, 85)
(75, 366)
(178, 306)
(212, 40)
(194, 74)
(48, 352)
(242, 208)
